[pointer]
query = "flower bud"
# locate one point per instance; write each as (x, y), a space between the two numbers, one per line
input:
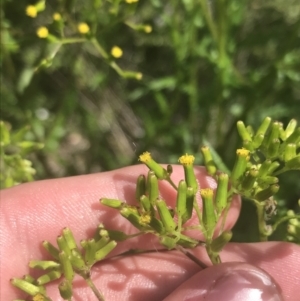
(243, 131)
(66, 266)
(264, 126)
(112, 203)
(291, 128)
(152, 187)
(208, 213)
(165, 216)
(240, 165)
(140, 189)
(103, 252)
(43, 264)
(221, 193)
(290, 152)
(65, 289)
(46, 278)
(218, 243)
(69, 238)
(187, 161)
(208, 161)
(181, 198)
(159, 171)
(266, 193)
(25, 286)
(190, 198)
(63, 246)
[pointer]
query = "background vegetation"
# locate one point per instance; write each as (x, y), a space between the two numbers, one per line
(205, 65)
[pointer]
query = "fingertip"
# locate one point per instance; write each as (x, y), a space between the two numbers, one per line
(229, 282)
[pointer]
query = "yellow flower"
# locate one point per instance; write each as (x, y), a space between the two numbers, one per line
(186, 159)
(116, 52)
(145, 219)
(131, 1)
(145, 157)
(42, 32)
(56, 16)
(38, 297)
(243, 152)
(83, 28)
(31, 11)
(206, 192)
(139, 76)
(147, 28)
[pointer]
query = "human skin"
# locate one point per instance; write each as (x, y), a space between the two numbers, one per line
(33, 212)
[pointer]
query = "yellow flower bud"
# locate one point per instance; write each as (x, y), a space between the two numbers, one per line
(186, 160)
(116, 52)
(42, 32)
(139, 76)
(38, 297)
(31, 11)
(56, 16)
(147, 28)
(83, 28)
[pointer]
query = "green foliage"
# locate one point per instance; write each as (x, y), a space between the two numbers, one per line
(14, 148)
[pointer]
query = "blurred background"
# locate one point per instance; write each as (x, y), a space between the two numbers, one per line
(204, 64)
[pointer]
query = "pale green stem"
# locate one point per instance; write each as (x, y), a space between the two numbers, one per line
(71, 41)
(91, 284)
(99, 48)
(192, 257)
(209, 19)
(284, 219)
(262, 226)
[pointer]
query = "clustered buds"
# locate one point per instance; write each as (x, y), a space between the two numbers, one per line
(68, 261)
(152, 214)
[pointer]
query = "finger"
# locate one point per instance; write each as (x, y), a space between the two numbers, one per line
(36, 211)
(278, 259)
(230, 281)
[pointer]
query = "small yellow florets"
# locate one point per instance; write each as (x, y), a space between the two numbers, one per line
(139, 76)
(56, 16)
(42, 32)
(131, 1)
(242, 152)
(116, 52)
(148, 28)
(145, 219)
(38, 297)
(145, 157)
(83, 28)
(206, 192)
(31, 11)
(186, 159)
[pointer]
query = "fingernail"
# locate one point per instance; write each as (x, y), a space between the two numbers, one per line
(244, 282)
(232, 281)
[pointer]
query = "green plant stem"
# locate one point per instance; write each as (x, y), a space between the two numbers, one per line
(172, 183)
(262, 226)
(71, 41)
(192, 257)
(215, 258)
(209, 19)
(284, 219)
(199, 215)
(226, 210)
(99, 48)
(91, 284)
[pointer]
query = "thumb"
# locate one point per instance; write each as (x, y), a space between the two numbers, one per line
(232, 281)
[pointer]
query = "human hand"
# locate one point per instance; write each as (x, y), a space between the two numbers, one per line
(33, 212)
